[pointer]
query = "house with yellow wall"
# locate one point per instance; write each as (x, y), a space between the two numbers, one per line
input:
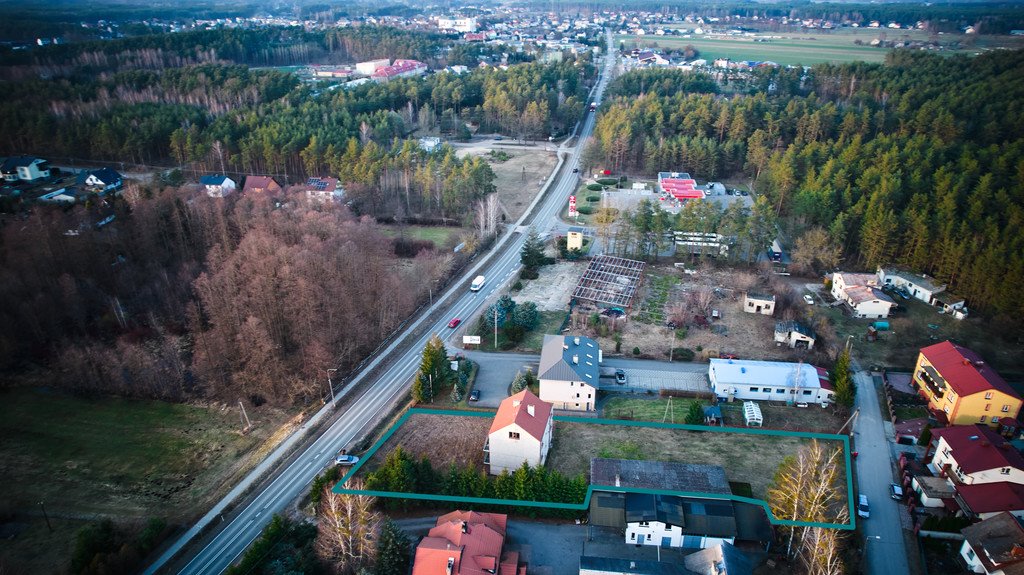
(961, 389)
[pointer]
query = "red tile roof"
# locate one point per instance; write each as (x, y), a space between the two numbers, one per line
(260, 184)
(964, 370)
(472, 541)
(514, 410)
(978, 448)
(992, 497)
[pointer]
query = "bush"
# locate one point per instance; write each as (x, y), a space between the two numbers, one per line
(585, 210)
(682, 354)
(595, 187)
(636, 351)
(608, 181)
(593, 198)
(528, 274)
(329, 477)
(517, 286)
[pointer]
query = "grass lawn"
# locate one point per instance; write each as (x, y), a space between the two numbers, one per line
(776, 415)
(440, 235)
(640, 409)
(905, 412)
(130, 460)
(550, 322)
(575, 444)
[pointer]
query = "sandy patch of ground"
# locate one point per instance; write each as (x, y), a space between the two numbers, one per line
(443, 439)
(519, 178)
(553, 289)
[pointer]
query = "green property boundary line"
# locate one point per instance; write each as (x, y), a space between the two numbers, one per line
(845, 440)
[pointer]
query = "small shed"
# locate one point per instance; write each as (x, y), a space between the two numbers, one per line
(794, 334)
(754, 302)
(752, 414)
(712, 415)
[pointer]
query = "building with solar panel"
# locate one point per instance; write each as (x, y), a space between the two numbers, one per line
(323, 190)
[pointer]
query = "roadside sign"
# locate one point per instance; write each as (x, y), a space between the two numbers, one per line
(471, 340)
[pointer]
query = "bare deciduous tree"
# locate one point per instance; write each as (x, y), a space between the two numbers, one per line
(347, 529)
(806, 489)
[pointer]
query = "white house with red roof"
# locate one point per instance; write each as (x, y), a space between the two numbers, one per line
(467, 543)
(961, 389)
(986, 471)
(521, 432)
(399, 69)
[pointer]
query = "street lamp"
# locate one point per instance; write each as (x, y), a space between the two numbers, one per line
(330, 384)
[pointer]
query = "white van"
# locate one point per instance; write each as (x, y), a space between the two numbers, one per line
(478, 282)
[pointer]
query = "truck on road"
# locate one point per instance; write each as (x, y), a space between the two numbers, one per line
(478, 282)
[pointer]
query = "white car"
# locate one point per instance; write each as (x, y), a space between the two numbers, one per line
(346, 459)
(808, 299)
(863, 509)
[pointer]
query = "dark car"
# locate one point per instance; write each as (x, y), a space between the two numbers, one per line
(575, 170)
(474, 395)
(620, 377)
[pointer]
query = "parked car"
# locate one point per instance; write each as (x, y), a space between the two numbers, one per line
(620, 377)
(863, 509)
(344, 458)
(454, 323)
(474, 395)
(498, 138)
(744, 193)
(808, 299)
(903, 293)
(896, 492)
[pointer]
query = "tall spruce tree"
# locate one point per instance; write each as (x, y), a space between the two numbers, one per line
(393, 552)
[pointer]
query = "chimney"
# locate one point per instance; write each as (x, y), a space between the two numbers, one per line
(530, 410)
(465, 528)
(618, 480)
(576, 340)
(575, 360)
(451, 565)
(515, 403)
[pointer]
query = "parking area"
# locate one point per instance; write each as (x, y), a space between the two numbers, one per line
(643, 380)
(495, 374)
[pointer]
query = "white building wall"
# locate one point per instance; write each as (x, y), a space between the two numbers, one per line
(996, 475)
(925, 500)
(655, 531)
(574, 395)
(745, 392)
(970, 557)
(509, 454)
(872, 309)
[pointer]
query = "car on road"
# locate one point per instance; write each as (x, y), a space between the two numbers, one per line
(344, 458)
(863, 509)
(498, 138)
(454, 323)
(896, 492)
(744, 193)
(575, 170)
(474, 395)
(808, 299)
(620, 377)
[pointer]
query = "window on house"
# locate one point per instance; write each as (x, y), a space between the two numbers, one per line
(946, 409)
(648, 536)
(513, 435)
(995, 419)
(792, 392)
(807, 392)
(753, 390)
(644, 523)
(1005, 409)
(577, 405)
(988, 406)
(588, 396)
(750, 304)
(982, 420)
(988, 395)
(632, 536)
(945, 452)
(577, 396)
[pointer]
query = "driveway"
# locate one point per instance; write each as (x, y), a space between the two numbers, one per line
(496, 372)
(884, 548)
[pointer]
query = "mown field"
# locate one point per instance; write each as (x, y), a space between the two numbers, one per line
(813, 47)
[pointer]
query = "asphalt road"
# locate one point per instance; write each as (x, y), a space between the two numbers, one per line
(377, 398)
(884, 548)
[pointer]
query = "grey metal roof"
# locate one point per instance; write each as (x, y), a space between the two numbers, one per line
(793, 325)
(723, 558)
(557, 354)
(614, 566)
(761, 296)
(665, 475)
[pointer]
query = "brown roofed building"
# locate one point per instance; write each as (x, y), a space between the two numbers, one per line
(521, 432)
(995, 545)
(261, 185)
(467, 543)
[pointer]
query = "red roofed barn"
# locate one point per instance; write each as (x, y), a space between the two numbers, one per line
(467, 543)
(521, 432)
(962, 389)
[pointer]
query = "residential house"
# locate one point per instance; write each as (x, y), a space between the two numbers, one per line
(569, 372)
(769, 381)
(261, 185)
(370, 66)
(24, 168)
(794, 334)
(862, 294)
(721, 559)
(994, 546)
(467, 543)
(919, 286)
(962, 389)
(666, 520)
(102, 180)
(984, 470)
(615, 566)
(520, 432)
(464, 25)
(218, 186)
(400, 69)
(322, 190)
(756, 302)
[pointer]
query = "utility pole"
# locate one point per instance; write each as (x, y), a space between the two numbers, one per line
(852, 419)
(46, 517)
(245, 418)
(495, 327)
(330, 384)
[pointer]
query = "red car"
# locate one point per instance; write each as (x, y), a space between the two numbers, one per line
(454, 323)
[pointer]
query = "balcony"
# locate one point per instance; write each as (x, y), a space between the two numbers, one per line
(933, 382)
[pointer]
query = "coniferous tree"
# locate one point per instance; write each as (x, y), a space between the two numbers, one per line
(393, 550)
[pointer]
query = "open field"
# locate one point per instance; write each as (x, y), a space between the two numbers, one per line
(109, 457)
(519, 178)
(811, 419)
(440, 235)
(444, 439)
(819, 46)
(575, 444)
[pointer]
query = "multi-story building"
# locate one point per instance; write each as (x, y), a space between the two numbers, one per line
(961, 389)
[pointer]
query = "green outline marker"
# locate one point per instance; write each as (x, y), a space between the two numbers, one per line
(591, 488)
